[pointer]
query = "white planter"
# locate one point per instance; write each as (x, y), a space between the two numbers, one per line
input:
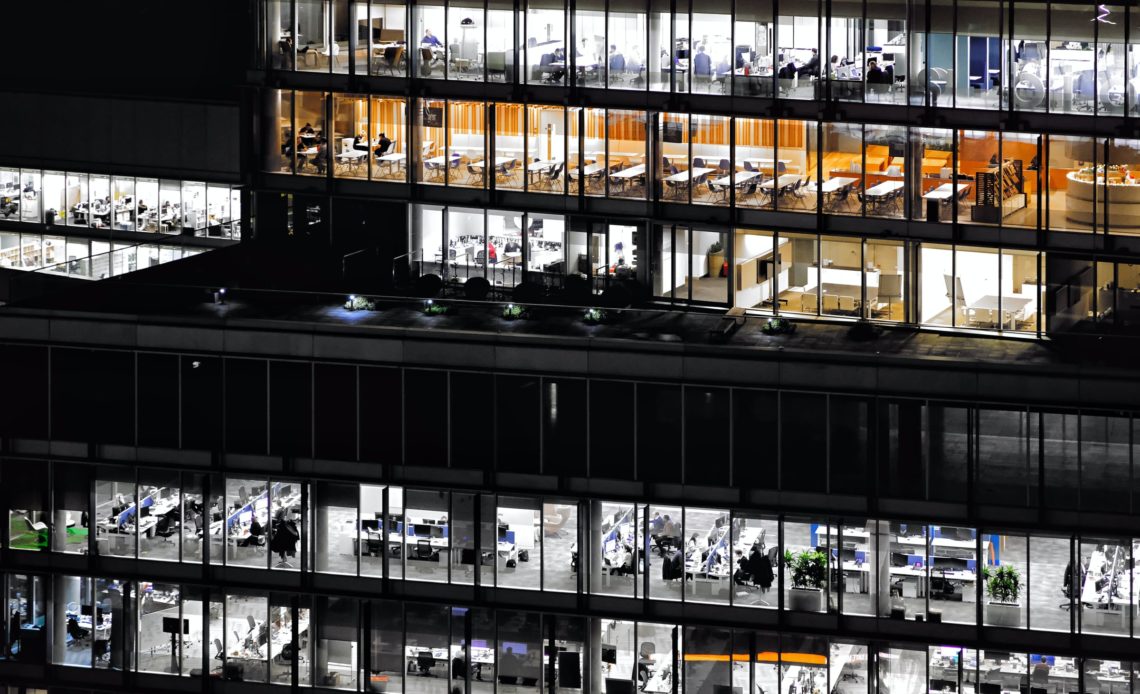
(1003, 614)
(805, 599)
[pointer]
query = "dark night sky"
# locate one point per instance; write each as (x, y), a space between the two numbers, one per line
(195, 49)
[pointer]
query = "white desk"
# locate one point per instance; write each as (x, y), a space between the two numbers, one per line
(684, 176)
(543, 165)
(499, 161)
(783, 181)
(884, 188)
(631, 172)
(736, 179)
(836, 184)
(945, 191)
(589, 170)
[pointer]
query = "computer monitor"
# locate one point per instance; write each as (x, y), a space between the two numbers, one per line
(170, 625)
(609, 654)
(87, 610)
(502, 533)
(144, 511)
(422, 530)
(285, 490)
(373, 525)
(517, 647)
(616, 686)
(950, 563)
(898, 558)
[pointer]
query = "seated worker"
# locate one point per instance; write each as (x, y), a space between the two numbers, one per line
(788, 72)
(360, 142)
(616, 60)
(812, 67)
(702, 62)
(382, 145)
(875, 74)
(429, 40)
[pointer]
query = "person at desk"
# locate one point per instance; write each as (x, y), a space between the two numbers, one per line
(382, 145)
(693, 545)
(14, 632)
(492, 254)
(875, 74)
(256, 533)
(623, 566)
(322, 159)
(812, 67)
(285, 537)
(832, 71)
(360, 142)
(300, 147)
(702, 63)
(616, 59)
(307, 131)
(430, 41)
(788, 71)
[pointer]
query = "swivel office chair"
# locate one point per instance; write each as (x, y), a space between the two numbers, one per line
(425, 661)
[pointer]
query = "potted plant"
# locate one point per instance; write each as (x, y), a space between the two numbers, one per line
(716, 258)
(359, 303)
(809, 571)
(1003, 586)
(594, 316)
(433, 309)
(514, 312)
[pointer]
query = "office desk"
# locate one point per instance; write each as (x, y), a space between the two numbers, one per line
(682, 176)
(946, 191)
(631, 172)
(736, 179)
(507, 551)
(499, 161)
(1012, 308)
(782, 182)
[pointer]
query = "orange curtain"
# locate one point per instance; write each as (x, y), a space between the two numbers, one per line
(710, 130)
(508, 119)
(466, 117)
(762, 132)
(388, 117)
(623, 125)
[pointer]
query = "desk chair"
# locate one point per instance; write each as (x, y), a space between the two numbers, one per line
(425, 661)
(644, 660)
(424, 550)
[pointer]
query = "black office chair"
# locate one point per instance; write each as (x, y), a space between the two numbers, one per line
(425, 661)
(424, 550)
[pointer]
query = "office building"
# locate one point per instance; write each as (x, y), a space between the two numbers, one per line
(494, 395)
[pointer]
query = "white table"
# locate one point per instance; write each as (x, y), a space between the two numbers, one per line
(833, 185)
(945, 191)
(543, 165)
(766, 161)
(684, 176)
(589, 170)
(782, 182)
(883, 189)
(1011, 306)
(737, 179)
(499, 161)
(631, 172)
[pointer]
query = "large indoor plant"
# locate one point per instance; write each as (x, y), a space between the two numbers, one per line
(1003, 586)
(716, 259)
(809, 571)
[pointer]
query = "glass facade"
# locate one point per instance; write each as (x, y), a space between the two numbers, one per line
(334, 643)
(120, 203)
